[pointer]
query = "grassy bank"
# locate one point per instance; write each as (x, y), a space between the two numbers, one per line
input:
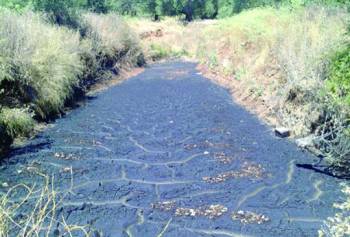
(44, 66)
(277, 62)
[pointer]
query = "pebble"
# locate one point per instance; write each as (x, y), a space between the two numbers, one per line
(5, 185)
(282, 132)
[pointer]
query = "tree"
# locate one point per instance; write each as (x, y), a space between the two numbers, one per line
(15, 4)
(62, 12)
(210, 9)
(153, 7)
(99, 6)
(168, 7)
(126, 7)
(225, 8)
(186, 7)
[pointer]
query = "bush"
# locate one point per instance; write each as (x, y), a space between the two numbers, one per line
(61, 12)
(17, 122)
(40, 63)
(335, 130)
(14, 123)
(108, 46)
(339, 76)
(302, 52)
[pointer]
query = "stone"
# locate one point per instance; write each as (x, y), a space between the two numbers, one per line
(305, 142)
(5, 185)
(282, 132)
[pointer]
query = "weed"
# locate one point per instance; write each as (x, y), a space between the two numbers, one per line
(35, 212)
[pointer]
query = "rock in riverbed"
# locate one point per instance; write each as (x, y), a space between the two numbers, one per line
(282, 132)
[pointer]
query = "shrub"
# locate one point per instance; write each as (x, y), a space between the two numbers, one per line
(14, 123)
(42, 65)
(109, 45)
(18, 122)
(302, 50)
(339, 76)
(61, 12)
(335, 130)
(40, 62)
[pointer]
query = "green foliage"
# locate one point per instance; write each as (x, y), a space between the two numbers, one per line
(158, 52)
(98, 6)
(62, 12)
(40, 63)
(17, 122)
(125, 7)
(339, 225)
(336, 140)
(17, 5)
(339, 76)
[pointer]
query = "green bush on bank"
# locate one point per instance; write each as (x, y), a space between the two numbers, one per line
(339, 76)
(14, 123)
(108, 45)
(335, 131)
(42, 65)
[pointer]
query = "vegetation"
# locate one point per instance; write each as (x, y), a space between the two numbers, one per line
(14, 122)
(336, 127)
(287, 60)
(109, 44)
(39, 212)
(44, 65)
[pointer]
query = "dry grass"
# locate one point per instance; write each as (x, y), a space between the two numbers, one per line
(35, 212)
(109, 46)
(302, 53)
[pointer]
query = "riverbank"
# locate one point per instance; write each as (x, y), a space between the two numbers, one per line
(43, 74)
(277, 64)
